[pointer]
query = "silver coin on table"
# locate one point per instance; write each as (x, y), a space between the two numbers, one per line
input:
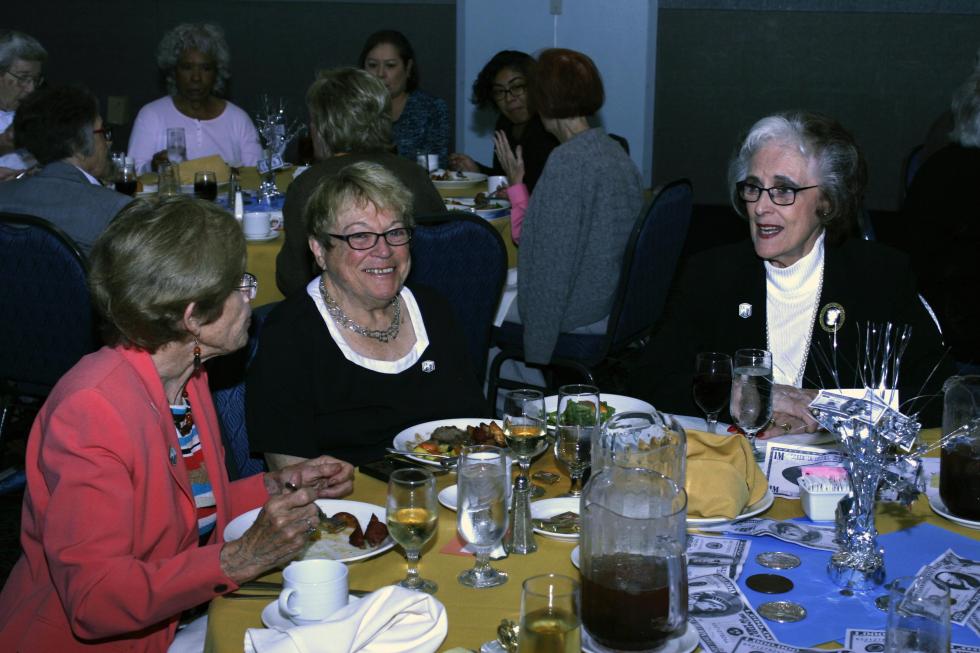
(778, 560)
(782, 612)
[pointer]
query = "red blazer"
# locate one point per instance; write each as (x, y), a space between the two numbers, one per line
(109, 528)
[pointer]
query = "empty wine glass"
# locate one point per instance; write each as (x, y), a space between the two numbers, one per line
(751, 404)
(576, 423)
(526, 429)
(712, 385)
(481, 516)
(412, 516)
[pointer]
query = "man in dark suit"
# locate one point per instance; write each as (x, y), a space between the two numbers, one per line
(62, 128)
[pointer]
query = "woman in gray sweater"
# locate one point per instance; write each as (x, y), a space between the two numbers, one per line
(576, 224)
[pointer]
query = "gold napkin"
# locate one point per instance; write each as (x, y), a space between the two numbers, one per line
(213, 162)
(722, 475)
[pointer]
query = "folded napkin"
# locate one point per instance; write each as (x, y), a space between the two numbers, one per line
(213, 163)
(722, 475)
(390, 620)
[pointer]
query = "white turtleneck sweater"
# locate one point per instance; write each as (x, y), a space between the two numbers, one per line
(792, 298)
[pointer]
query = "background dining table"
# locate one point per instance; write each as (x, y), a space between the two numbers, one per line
(475, 614)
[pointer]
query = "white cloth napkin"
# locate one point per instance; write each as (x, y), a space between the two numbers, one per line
(390, 620)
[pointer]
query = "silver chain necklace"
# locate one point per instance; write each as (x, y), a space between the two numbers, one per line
(809, 333)
(338, 315)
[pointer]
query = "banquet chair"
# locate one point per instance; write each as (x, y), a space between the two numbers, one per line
(649, 263)
(226, 378)
(464, 258)
(47, 322)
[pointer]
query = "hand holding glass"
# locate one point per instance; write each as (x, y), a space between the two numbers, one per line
(576, 424)
(751, 404)
(481, 515)
(712, 385)
(413, 514)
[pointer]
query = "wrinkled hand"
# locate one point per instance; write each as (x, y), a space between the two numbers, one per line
(790, 412)
(462, 162)
(328, 477)
(8, 173)
(158, 158)
(279, 534)
(511, 161)
(7, 141)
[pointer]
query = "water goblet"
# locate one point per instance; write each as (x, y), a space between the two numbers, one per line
(576, 423)
(550, 615)
(481, 516)
(712, 385)
(751, 402)
(526, 430)
(412, 516)
(176, 144)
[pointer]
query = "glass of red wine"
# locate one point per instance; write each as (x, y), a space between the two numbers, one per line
(712, 385)
(206, 185)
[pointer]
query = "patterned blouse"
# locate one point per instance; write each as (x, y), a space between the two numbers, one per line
(423, 128)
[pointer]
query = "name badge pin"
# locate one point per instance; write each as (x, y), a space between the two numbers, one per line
(428, 366)
(832, 317)
(745, 310)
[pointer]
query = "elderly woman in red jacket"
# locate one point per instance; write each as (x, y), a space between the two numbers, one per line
(127, 493)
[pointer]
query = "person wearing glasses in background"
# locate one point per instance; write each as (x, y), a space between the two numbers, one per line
(798, 179)
(357, 357)
(503, 85)
(127, 491)
(62, 128)
(21, 60)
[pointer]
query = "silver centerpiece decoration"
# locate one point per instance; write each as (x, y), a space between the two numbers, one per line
(276, 132)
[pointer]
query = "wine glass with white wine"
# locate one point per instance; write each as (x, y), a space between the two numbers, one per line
(751, 402)
(525, 429)
(413, 514)
(550, 615)
(481, 514)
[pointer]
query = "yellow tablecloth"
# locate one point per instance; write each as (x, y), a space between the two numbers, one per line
(475, 614)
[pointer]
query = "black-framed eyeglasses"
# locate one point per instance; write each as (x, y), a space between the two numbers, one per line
(105, 131)
(781, 195)
(250, 286)
(26, 80)
(367, 239)
(517, 90)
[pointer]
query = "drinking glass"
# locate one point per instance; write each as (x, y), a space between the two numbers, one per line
(525, 429)
(206, 185)
(918, 616)
(550, 615)
(751, 404)
(638, 439)
(481, 517)
(169, 182)
(712, 385)
(176, 145)
(412, 515)
(126, 180)
(575, 426)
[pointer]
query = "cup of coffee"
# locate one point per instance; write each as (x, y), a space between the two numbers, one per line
(495, 182)
(312, 590)
(256, 224)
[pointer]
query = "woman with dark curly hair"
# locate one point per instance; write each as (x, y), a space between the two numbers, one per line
(503, 85)
(196, 64)
(798, 179)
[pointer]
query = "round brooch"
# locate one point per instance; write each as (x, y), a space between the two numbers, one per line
(832, 317)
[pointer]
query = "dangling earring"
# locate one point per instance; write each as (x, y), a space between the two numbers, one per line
(197, 356)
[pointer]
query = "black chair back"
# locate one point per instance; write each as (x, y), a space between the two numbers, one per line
(463, 258)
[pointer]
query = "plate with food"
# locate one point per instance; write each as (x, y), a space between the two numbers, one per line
(355, 530)
(447, 437)
(751, 510)
(486, 208)
(609, 406)
(455, 178)
(557, 518)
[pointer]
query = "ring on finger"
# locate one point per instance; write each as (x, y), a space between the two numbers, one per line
(786, 427)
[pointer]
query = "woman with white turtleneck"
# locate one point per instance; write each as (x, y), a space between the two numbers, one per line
(798, 179)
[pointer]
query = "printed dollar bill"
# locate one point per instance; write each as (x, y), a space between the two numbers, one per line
(974, 622)
(961, 576)
(812, 536)
(873, 641)
(784, 464)
(715, 555)
(754, 645)
(721, 614)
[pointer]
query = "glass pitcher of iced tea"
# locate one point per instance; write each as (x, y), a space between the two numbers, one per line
(652, 440)
(959, 466)
(634, 570)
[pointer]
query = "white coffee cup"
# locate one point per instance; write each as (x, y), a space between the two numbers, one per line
(313, 590)
(494, 182)
(256, 224)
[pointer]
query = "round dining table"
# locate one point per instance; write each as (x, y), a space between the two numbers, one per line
(475, 614)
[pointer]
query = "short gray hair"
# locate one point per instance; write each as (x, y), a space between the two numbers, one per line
(16, 45)
(349, 111)
(355, 186)
(966, 113)
(841, 170)
(203, 37)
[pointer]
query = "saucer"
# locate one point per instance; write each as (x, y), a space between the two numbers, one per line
(272, 235)
(683, 643)
(448, 498)
(546, 508)
(274, 618)
(940, 509)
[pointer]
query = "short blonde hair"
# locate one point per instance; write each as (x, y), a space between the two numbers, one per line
(349, 111)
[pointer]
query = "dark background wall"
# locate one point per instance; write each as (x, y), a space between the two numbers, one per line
(276, 46)
(885, 74)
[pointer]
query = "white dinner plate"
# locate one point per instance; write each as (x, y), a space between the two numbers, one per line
(938, 507)
(683, 643)
(752, 510)
(469, 178)
(805, 439)
(407, 439)
(546, 508)
(575, 557)
(272, 235)
(273, 617)
(698, 424)
(467, 204)
(363, 511)
(447, 497)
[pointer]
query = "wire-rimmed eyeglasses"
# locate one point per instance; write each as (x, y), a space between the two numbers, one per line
(367, 239)
(781, 195)
(250, 286)
(26, 80)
